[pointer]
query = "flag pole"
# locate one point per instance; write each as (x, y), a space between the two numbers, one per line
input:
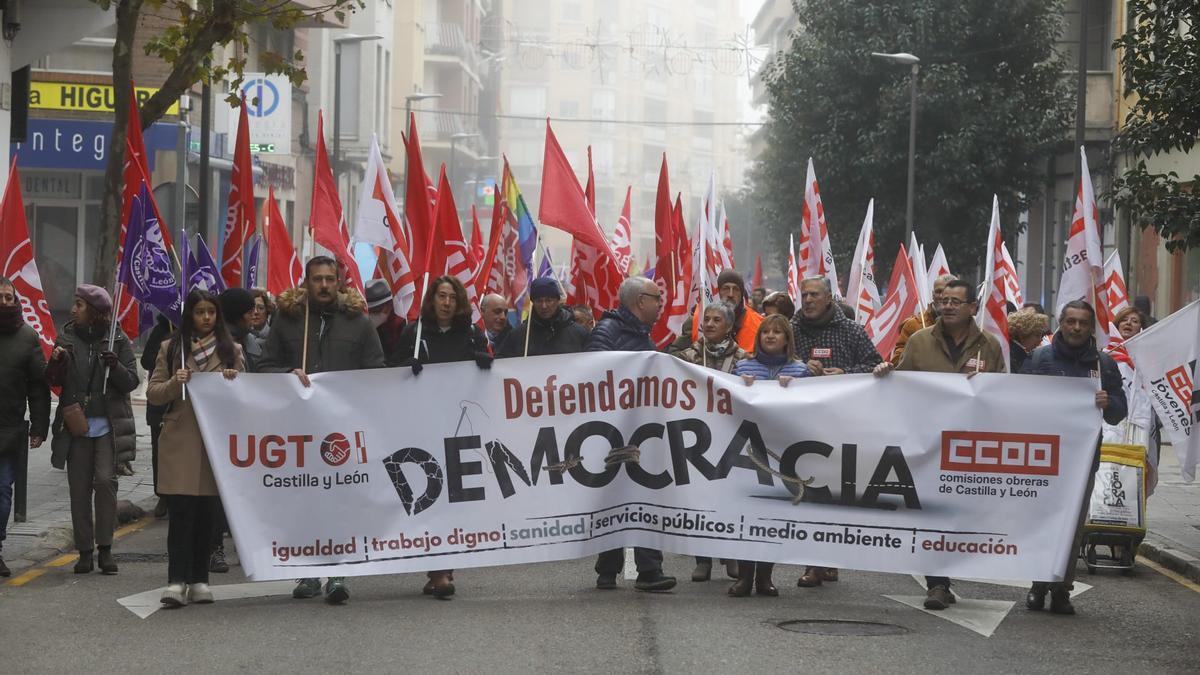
(112, 323)
(533, 263)
(183, 291)
(420, 323)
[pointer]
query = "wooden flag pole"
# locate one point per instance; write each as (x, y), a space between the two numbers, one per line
(420, 323)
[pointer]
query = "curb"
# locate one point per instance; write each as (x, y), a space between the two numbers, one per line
(57, 540)
(1173, 559)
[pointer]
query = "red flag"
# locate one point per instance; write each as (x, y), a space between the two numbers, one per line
(327, 222)
(433, 259)
(994, 317)
(589, 190)
(419, 198)
(16, 252)
(449, 251)
(136, 166)
(491, 278)
(476, 239)
(621, 243)
(901, 302)
(239, 215)
(756, 280)
(284, 270)
(563, 204)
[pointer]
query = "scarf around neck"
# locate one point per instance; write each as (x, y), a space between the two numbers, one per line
(203, 349)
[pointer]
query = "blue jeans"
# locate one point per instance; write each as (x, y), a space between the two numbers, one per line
(8, 475)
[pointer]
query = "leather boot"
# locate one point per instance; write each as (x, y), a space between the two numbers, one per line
(443, 588)
(762, 579)
(812, 577)
(105, 561)
(742, 587)
(84, 565)
(703, 571)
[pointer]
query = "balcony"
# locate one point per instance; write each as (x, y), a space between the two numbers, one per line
(447, 43)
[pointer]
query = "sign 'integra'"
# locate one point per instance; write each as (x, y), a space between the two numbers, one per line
(373, 472)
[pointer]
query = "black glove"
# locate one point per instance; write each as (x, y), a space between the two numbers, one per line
(110, 359)
(483, 360)
(415, 364)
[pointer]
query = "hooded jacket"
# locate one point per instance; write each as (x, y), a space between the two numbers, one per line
(339, 338)
(619, 331)
(22, 380)
(82, 373)
(558, 335)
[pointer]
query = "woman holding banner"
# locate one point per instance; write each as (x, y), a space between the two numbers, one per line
(715, 349)
(774, 359)
(444, 334)
(93, 426)
(185, 478)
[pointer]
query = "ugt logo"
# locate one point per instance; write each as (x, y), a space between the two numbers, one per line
(274, 451)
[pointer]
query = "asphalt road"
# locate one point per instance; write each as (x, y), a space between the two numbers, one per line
(547, 617)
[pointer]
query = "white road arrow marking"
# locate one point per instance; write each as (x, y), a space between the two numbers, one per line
(981, 616)
(147, 602)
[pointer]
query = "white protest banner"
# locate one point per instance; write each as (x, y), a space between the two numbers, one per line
(381, 471)
(1165, 356)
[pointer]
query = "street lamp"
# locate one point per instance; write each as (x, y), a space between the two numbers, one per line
(408, 101)
(906, 59)
(337, 92)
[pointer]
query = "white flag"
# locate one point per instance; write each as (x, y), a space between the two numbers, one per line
(916, 258)
(1012, 287)
(861, 289)
(993, 316)
(938, 266)
(378, 222)
(1083, 268)
(816, 255)
(1165, 356)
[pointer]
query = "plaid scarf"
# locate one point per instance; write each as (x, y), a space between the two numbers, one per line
(203, 349)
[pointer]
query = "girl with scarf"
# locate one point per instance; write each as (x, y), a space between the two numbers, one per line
(185, 478)
(774, 359)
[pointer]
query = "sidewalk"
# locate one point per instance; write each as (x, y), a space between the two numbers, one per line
(1173, 516)
(47, 532)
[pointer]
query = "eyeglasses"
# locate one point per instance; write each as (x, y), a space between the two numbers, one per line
(656, 296)
(952, 302)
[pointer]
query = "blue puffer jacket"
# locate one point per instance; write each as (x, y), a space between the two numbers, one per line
(620, 331)
(764, 367)
(1059, 358)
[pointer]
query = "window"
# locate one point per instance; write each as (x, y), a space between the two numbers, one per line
(1098, 40)
(568, 109)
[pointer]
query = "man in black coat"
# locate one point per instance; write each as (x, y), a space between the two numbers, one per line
(22, 380)
(627, 328)
(1073, 353)
(551, 327)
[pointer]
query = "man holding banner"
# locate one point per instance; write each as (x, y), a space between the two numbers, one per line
(1073, 353)
(318, 329)
(627, 328)
(953, 344)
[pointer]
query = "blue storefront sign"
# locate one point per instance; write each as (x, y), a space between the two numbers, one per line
(78, 144)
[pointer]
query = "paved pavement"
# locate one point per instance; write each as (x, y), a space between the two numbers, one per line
(1173, 514)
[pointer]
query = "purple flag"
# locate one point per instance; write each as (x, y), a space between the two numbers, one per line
(252, 262)
(146, 268)
(202, 270)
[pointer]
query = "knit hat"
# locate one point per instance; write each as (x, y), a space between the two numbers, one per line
(378, 293)
(544, 287)
(235, 302)
(729, 276)
(96, 297)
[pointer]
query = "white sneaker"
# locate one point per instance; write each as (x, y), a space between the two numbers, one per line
(199, 594)
(173, 596)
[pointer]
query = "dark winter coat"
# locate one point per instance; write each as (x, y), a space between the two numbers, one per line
(22, 381)
(463, 342)
(559, 335)
(390, 334)
(82, 372)
(339, 338)
(252, 347)
(619, 331)
(835, 341)
(1059, 358)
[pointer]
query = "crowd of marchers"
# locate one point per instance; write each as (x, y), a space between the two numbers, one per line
(323, 326)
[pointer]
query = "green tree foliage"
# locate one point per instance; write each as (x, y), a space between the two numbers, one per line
(992, 104)
(1160, 59)
(195, 29)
